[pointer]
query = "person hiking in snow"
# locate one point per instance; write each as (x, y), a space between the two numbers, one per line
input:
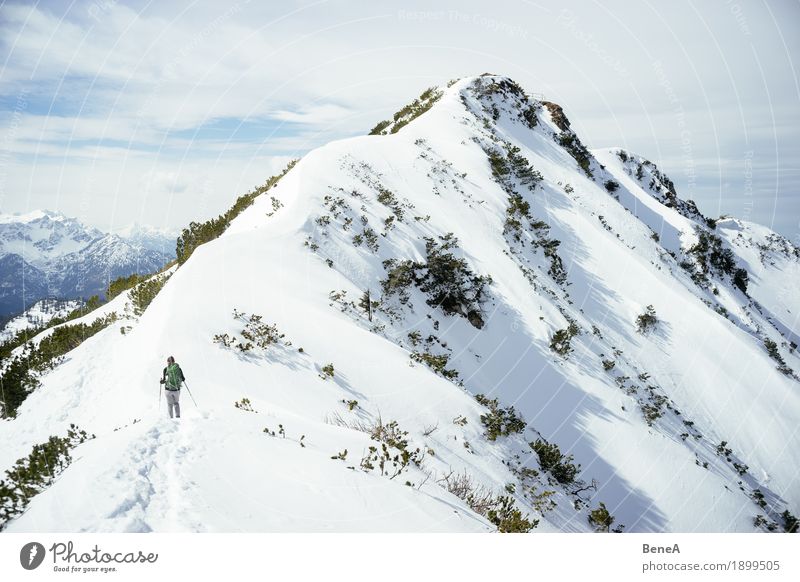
(171, 377)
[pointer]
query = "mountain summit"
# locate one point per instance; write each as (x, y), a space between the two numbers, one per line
(466, 321)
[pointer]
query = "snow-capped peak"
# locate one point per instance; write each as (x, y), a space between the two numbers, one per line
(47, 254)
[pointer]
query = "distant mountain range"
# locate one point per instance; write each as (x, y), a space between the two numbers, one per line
(45, 254)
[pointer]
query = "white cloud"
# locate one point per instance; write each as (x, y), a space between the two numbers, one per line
(101, 74)
(315, 114)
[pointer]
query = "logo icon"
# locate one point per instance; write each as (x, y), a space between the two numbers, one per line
(31, 555)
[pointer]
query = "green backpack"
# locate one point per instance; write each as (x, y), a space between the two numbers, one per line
(174, 376)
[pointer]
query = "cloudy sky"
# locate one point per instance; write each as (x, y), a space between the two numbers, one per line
(164, 112)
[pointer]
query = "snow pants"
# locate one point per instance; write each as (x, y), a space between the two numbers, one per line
(172, 402)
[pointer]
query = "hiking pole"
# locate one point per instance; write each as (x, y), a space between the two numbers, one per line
(190, 394)
(159, 397)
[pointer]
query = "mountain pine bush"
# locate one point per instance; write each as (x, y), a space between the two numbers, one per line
(392, 454)
(790, 522)
(561, 340)
(775, 354)
(142, 295)
(498, 509)
(445, 279)
(255, 334)
(601, 519)
(21, 374)
(570, 142)
(508, 518)
(436, 362)
(518, 209)
(741, 278)
(121, 284)
(198, 233)
(244, 404)
(647, 320)
(713, 257)
(409, 113)
(552, 461)
(499, 421)
(33, 474)
(25, 335)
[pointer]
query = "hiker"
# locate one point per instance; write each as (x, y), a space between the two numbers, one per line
(172, 378)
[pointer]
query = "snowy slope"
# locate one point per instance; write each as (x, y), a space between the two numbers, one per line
(645, 426)
(41, 313)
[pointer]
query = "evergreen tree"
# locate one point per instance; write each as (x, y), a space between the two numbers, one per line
(365, 303)
(601, 519)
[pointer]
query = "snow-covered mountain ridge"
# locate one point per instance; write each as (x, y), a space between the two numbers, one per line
(547, 329)
(44, 254)
(41, 313)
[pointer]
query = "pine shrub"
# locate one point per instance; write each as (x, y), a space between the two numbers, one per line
(447, 280)
(741, 279)
(508, 518)
(499, 421)
(500, 510)
(33, 474)
(570, 142)
(198, 233)
(409, 113)
(601, 519)
(647, 320)
(556, 270)
(21, 374)
(436, 362)
(775, 354)
(144, 293)
(790, 522)
(392, 454)
(560, 343)
(244, 404)
(552, 461)
(121, 284)
(255, 334)
(713, 257)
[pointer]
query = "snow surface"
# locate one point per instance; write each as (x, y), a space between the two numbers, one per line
(216, 470)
